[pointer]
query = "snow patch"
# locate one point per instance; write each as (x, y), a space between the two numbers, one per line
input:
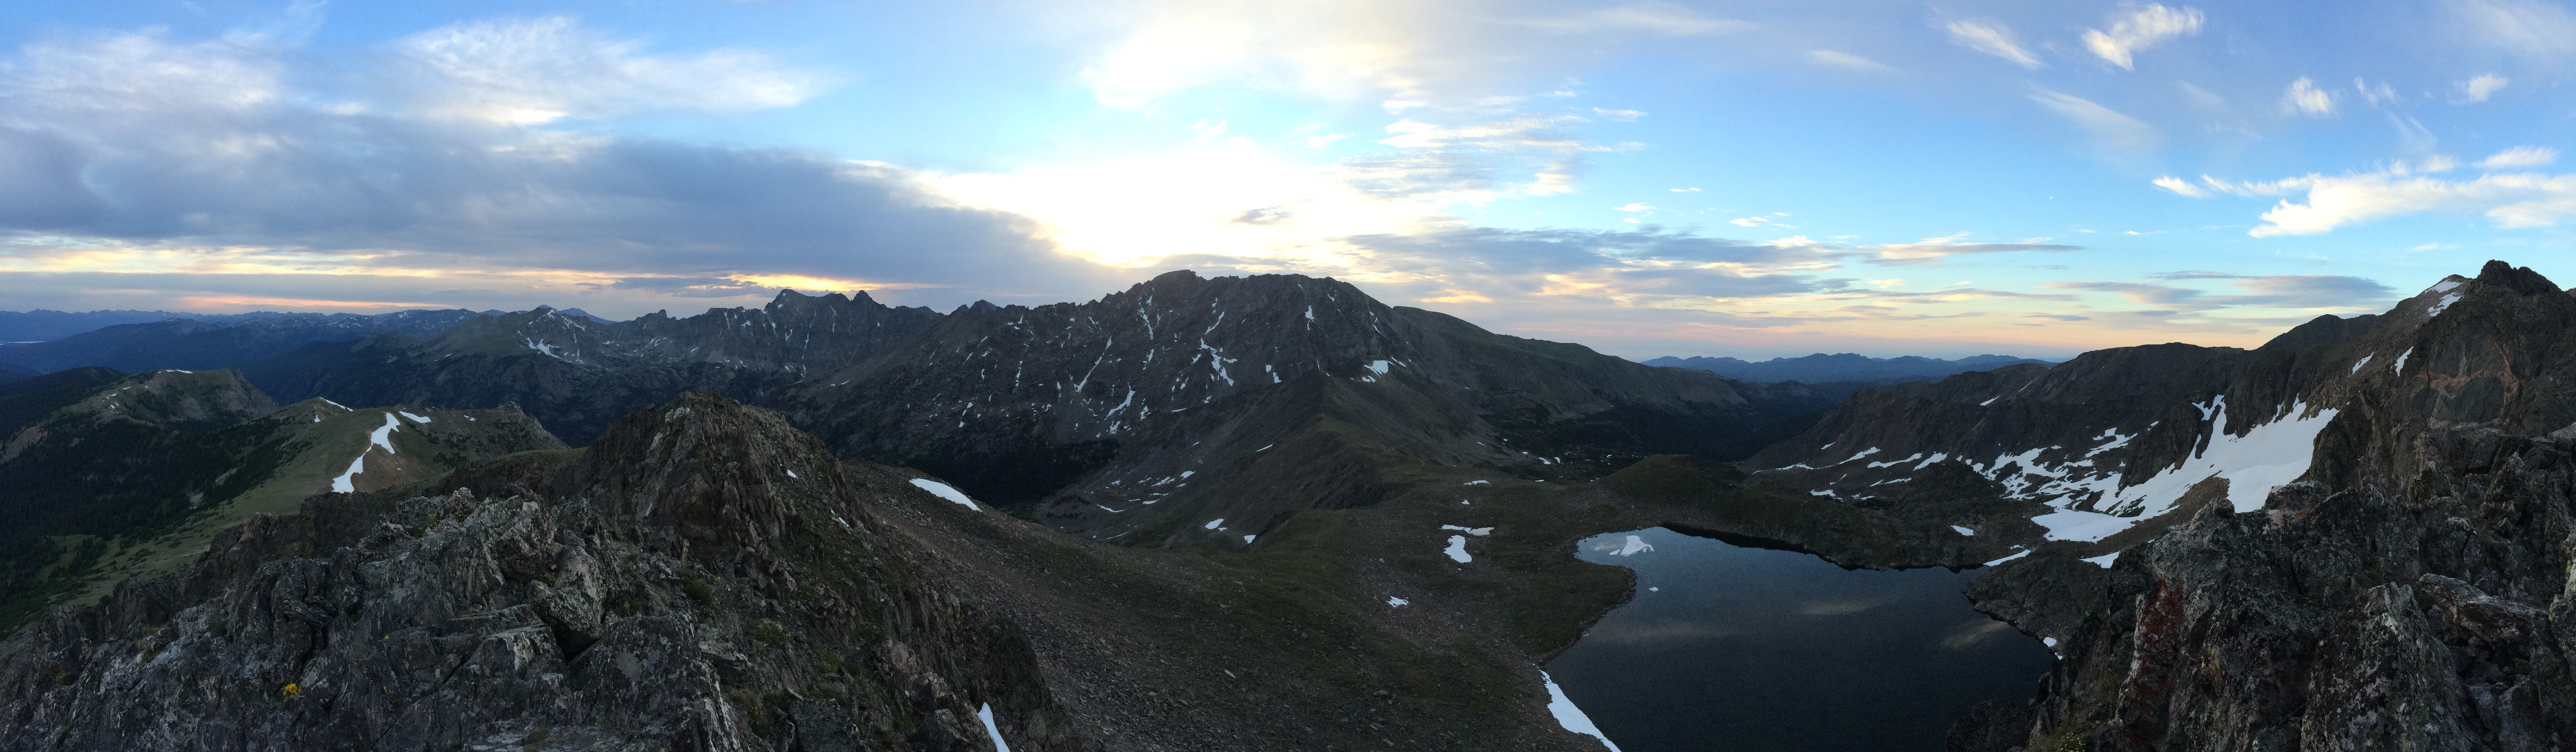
(1248, 538)
(2399, 367)
(1457, 549)
(1392, 601)
(1634, 546)
(942, 490)
(1213, 523)
(335, 404)
(2444, 303)
(1963, 531)
(1377, 367)
(2025, 552)
(2443, 286)
(1571, 717)
(995, 731)
(2266, 456)
(2104, 561)
(1478, 482)
(383, 436)
(1469, 530)
(414, 418)
(2365, 360)
(1989, 401)
(791, 473)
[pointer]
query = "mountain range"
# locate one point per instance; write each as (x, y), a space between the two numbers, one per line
(1821, 368)
(1209, 514)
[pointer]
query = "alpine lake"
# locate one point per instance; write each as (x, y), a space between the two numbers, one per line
(1729, 645)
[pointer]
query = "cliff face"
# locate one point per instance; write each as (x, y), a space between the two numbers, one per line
(2410, 593)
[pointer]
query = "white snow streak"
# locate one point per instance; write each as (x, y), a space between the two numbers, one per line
(1569, 716)
(989, 728)
(1457, 549)
(2444, 303)
(1213, 523)
(1963, 531)
(414, 418)
(942, 490)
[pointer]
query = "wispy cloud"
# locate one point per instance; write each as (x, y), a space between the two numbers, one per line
(2109, 128)
(1846, 60)
(1992, 39)
(2140, 28)
(2520, 156)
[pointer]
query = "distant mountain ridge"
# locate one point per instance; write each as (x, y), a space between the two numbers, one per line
(41, 324)
(1821, 368)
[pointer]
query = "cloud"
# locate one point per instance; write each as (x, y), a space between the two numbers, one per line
(2302, 291)
(2305, 98)
(2374, 94)
(1934, 250)
(1633, 207)
(2542, 33)
(2180, 186)
(1847, 61)
(1403, 53)
(133, 152)
(2141, 28)
(1992, 39)
(2520, 156)
(1660, 18)
(2483, 86)
(2109, 128)
(1771, 219)
(1683, 190)
(1625, 116)
(540, 70)
(2511, 199)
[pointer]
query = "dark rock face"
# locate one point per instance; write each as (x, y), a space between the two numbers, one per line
(705, 578)
(2411, 594)
(203, 345)
(1821, 368)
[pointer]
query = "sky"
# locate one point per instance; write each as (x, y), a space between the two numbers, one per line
(1748, 179)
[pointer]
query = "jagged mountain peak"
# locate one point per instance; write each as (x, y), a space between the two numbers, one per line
(708, 469)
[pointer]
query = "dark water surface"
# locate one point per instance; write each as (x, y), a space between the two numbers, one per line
(1739, 648)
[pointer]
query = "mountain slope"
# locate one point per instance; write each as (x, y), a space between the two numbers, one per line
(1821, 368)
(111, 476)
(1060, 411)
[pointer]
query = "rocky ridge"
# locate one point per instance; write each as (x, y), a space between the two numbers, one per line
(2407, 590)
(706, 577)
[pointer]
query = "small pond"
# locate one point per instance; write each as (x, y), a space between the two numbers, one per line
(1730, 647)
